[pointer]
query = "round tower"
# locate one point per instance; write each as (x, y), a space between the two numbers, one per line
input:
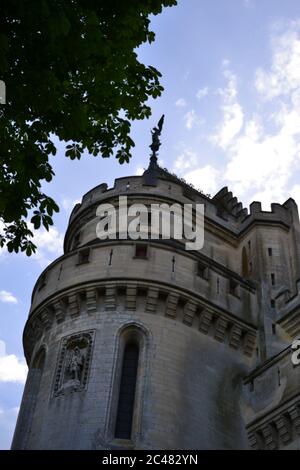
(138, 343)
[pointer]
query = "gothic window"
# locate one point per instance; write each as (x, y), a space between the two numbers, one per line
(129, 386)
(270, 251)
(127, 391)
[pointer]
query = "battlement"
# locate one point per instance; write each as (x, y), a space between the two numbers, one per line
(227, 203)
(223, 209)
(202, 320)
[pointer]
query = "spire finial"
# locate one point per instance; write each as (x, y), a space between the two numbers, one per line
(156, 131)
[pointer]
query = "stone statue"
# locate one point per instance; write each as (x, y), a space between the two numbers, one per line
(75, 365)
(156, 131)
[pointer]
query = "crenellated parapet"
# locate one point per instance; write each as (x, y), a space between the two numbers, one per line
(139, 342)
(279, 215)
(227, 203)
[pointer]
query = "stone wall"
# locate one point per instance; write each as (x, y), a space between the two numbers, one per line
(213, 328)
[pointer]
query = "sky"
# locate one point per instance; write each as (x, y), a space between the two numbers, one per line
(231, 72)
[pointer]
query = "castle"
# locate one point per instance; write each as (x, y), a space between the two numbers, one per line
(141, 344)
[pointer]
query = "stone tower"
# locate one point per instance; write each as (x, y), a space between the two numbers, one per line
(143, 344)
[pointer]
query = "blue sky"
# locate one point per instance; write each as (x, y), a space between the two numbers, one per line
(231, 71)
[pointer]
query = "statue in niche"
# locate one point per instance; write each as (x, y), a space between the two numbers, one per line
(73, 370)
(75, 365)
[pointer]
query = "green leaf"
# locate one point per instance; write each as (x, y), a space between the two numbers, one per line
(74, 77)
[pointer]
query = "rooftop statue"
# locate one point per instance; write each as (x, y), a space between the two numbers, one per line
(156, 131)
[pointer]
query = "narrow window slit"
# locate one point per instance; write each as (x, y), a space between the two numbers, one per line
(173, 264)
(127, 392)
(273, 279)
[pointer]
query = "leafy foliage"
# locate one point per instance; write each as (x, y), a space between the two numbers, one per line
(71, 70)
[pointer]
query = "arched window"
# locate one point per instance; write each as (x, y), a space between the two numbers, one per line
(127, 391)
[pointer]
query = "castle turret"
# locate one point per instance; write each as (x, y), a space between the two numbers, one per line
(144, 344)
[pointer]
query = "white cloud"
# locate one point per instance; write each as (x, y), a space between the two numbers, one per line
(263, 149)
(202, 92)
(7, 297)
(69, 203)
(284, 74)
(225, 63)
(180, 103)
(205, 178)
(191, 119)
(51, 240)
(8, 418)
(265, 161)
(12, 368)
(262, 161)
(49, 245)
(233, 116)
(187, 159)
(139, 171)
